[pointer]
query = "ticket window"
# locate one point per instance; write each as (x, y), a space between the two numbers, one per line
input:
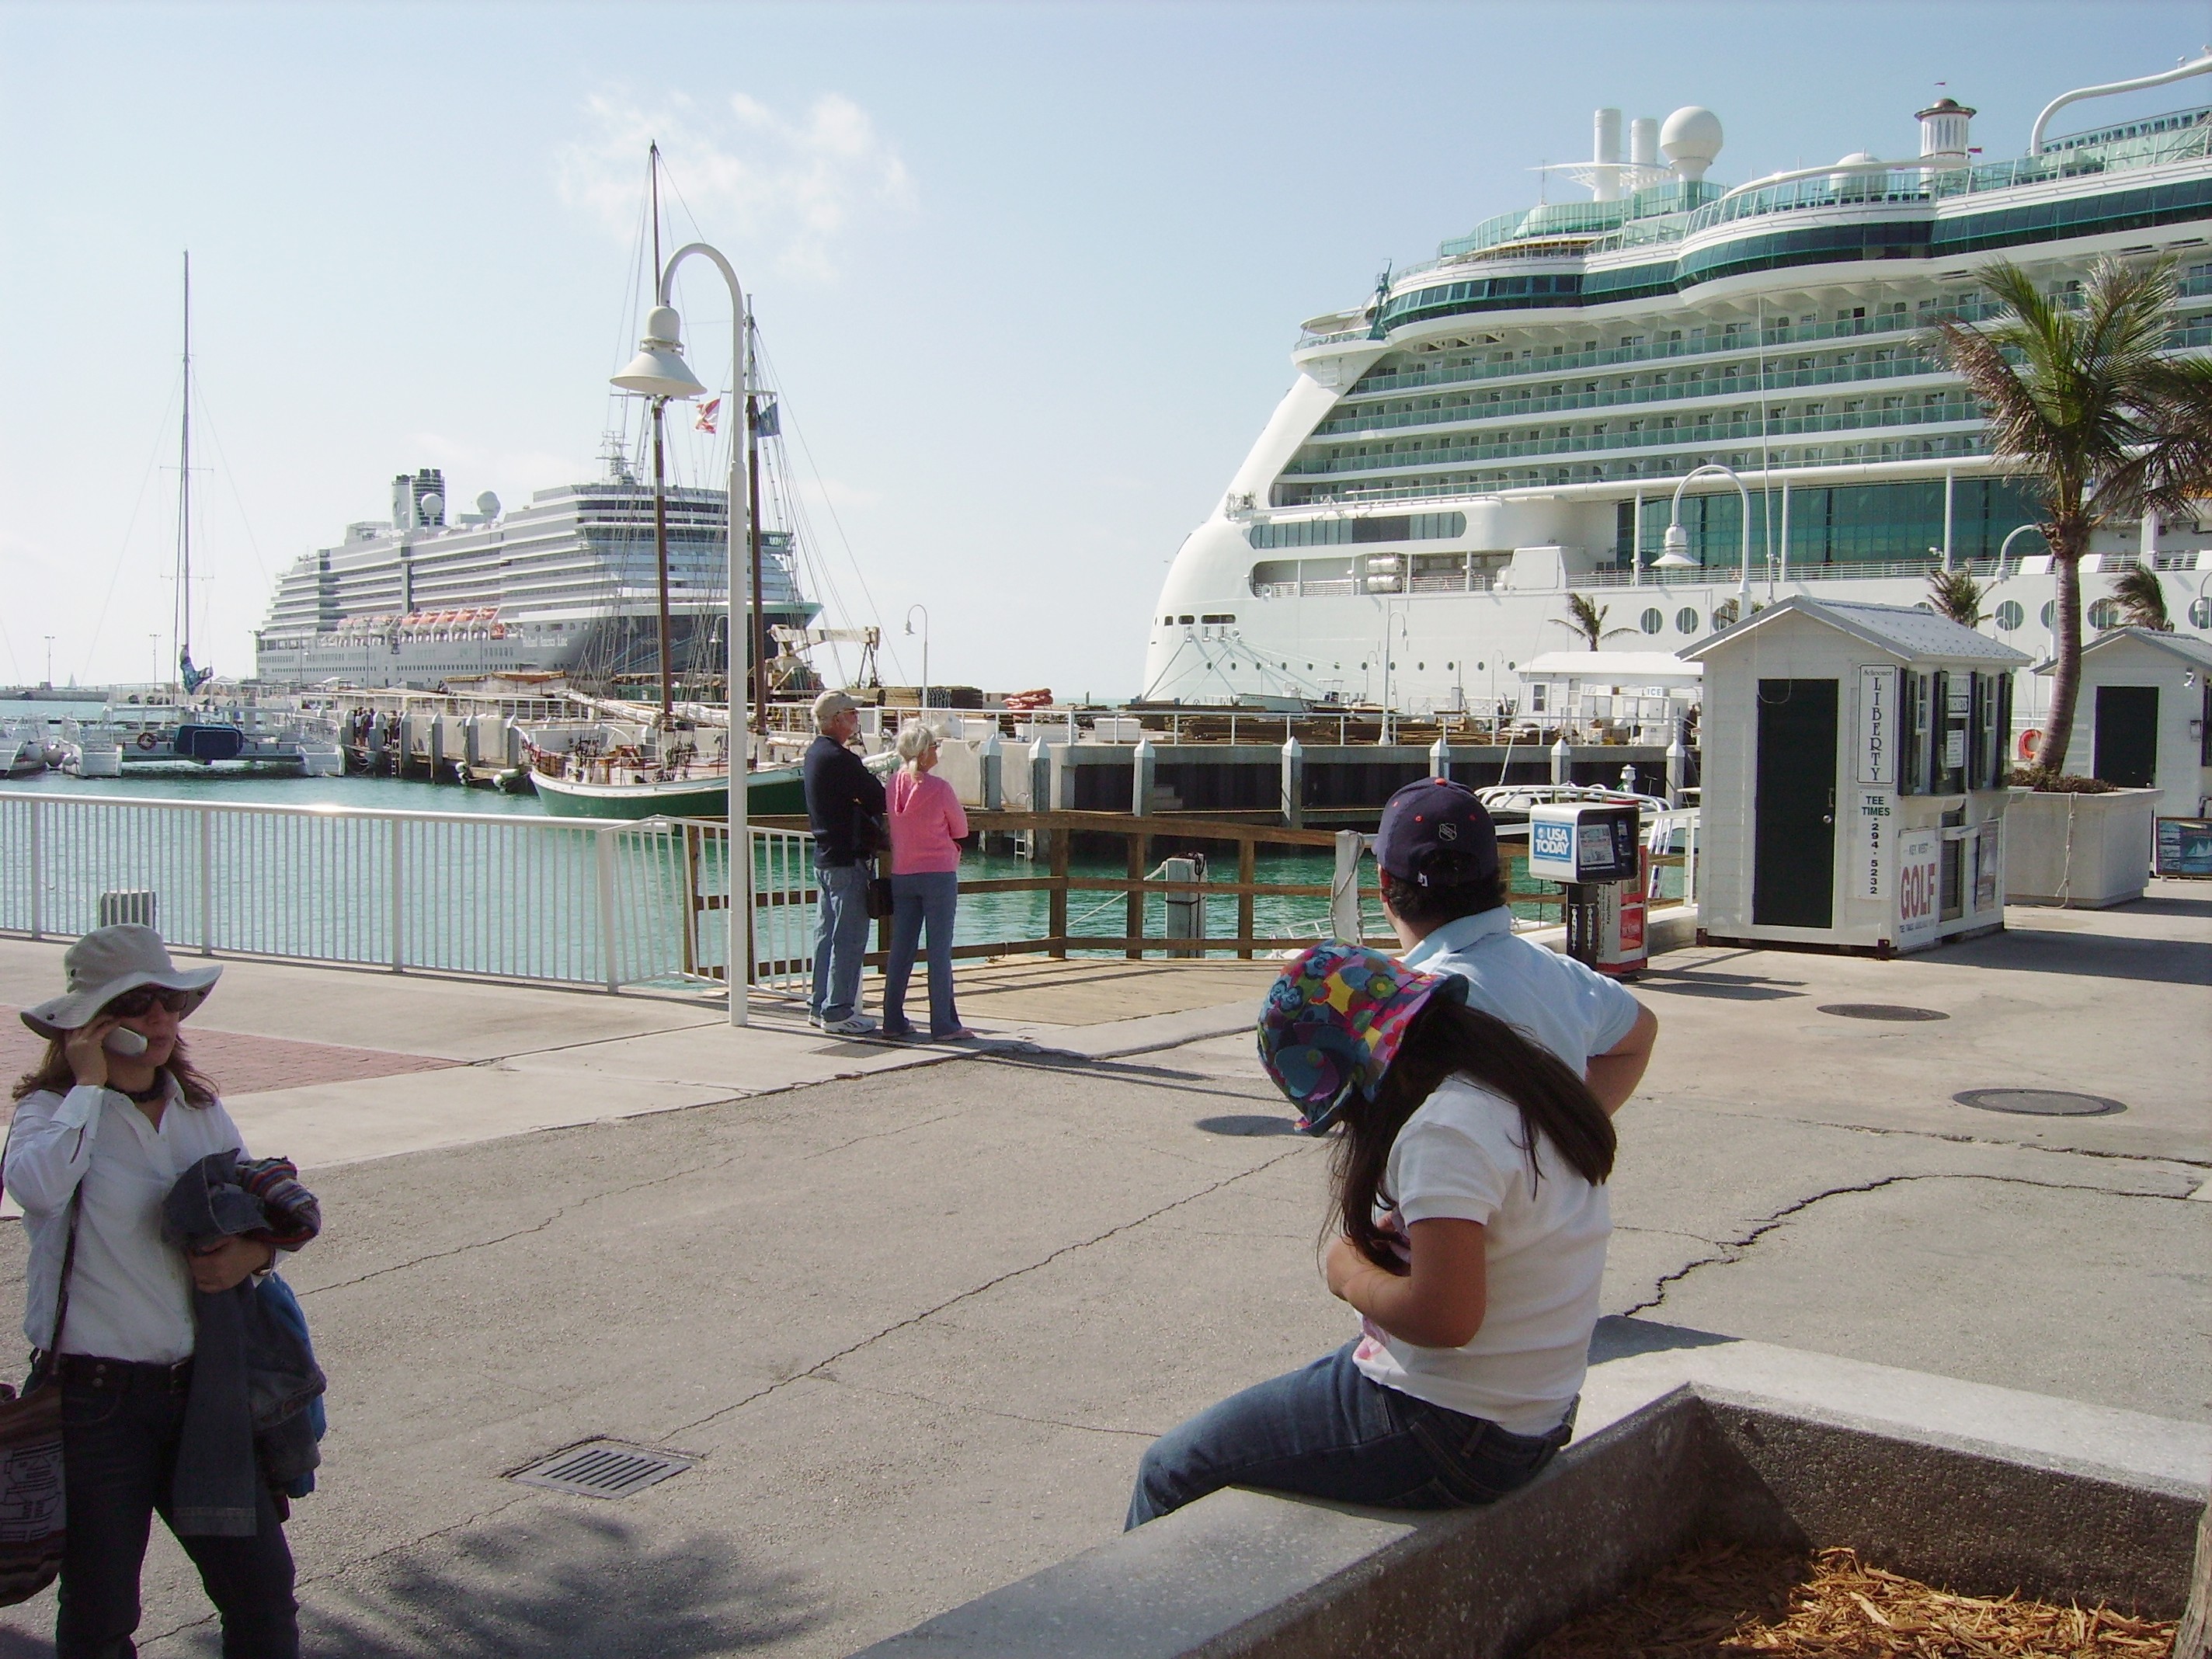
(1956, 726)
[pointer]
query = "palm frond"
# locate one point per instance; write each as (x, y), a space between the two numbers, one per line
(1957, 595)
(2143, 599)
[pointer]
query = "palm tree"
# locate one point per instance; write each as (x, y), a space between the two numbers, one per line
(2141, 600)
(2084, 402)
(1957, 595)
(1587, 620)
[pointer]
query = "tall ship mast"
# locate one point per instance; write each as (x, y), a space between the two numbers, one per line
(1501, 431)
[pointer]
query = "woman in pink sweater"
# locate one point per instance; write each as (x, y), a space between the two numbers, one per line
(927, 827)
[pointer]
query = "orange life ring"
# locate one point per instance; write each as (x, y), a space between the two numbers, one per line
(147, 739)
(2028, 741)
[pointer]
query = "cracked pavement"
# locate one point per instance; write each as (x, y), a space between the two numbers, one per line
(918, 1325)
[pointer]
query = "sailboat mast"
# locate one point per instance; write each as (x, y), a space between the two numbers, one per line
(183, 619)
(753, 527)
(660, 488)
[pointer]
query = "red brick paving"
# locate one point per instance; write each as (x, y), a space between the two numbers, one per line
(238, 1064)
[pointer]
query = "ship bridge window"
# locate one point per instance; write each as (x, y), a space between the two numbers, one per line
(1218, 617)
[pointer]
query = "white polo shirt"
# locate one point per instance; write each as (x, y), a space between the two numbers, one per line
(1574, 1012)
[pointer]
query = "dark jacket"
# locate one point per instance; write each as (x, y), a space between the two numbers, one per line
(840, 791)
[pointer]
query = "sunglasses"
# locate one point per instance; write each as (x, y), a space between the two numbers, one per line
(132, 1004)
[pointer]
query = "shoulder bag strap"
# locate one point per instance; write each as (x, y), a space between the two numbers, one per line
(43, 1362)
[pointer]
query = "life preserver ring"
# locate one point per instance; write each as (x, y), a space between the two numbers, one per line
(2029, 740)
(147, 739)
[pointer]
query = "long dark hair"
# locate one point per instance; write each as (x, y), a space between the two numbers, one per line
(54, 1072)
(1446, 1040)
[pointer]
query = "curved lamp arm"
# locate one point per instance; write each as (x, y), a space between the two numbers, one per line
(1713, 469)
(740, 906)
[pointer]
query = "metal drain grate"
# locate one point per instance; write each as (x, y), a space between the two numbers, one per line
(1897, 1010)
(602, 1469)
(2038, 1102)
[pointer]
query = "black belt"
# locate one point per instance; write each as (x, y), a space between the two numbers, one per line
(91, 1370)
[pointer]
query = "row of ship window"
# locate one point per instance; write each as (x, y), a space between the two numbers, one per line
(1935, 407)
(1916, 239)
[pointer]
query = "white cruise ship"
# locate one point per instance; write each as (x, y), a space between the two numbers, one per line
(565, 586)
(1504, 429)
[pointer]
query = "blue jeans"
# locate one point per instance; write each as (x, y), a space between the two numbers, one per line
(929, 897)
(841, 939)
(1328, 1431)
(118, 1456)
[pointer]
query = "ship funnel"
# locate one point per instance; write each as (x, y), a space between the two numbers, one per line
(1604, 154)
(1644, 143)
(1690, 141)
(1944, 134)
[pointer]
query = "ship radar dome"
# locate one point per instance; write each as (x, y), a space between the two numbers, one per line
(1689, 140)
(488, 504)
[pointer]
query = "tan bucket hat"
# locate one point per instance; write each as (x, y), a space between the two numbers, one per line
(104, 964)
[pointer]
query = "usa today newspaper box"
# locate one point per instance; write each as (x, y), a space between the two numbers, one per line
(1854, 768)
(1597, 851)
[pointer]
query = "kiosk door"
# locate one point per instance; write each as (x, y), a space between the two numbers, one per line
(1794, 830)
(2127, 735)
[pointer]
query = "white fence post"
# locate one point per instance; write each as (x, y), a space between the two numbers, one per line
(604, 879)
(1345, 922)
(38, 870)
(207, 882)
(398, 903)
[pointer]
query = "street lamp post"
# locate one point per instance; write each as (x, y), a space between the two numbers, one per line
(659, 370)
(2005, 546)
(49, 662)
(1675, 555)
(924, 609)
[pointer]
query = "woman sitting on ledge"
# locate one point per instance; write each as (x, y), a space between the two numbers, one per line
(1471, 1219)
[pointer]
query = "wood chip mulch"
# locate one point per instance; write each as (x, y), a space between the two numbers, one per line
(1726, 1603)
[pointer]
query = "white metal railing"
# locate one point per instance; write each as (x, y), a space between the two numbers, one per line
(566, 901)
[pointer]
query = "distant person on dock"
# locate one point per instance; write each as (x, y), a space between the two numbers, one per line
(845, 810)
(1468, 1216)
(928, 825)
(1443, 893)
(153, 1342)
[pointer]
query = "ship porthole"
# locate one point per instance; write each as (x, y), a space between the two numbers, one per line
(1685, 620)
(2200, 613)
(2048, 613)
(2010, 615)
(1653, 621)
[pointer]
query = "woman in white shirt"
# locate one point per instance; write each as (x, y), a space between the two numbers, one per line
(1470, 1220)
(103, 1126)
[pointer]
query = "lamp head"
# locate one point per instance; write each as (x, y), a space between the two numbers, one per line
(659, 369)
(1675, 553)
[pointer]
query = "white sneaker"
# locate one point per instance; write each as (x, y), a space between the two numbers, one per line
(851, 1025)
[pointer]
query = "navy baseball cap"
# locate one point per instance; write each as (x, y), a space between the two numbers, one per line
(1437, 833)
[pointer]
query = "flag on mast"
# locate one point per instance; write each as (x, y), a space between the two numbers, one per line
(707, 411)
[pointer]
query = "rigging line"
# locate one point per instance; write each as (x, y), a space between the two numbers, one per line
(822, 485)
(84, 670)
(223, 458)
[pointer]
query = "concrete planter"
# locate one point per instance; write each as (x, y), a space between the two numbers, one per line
(2085, 851)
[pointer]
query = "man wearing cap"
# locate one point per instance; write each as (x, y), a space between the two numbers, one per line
(844, 804)
(1446, 897)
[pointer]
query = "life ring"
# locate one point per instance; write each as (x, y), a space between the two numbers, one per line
(147, 740)
(2028, 741)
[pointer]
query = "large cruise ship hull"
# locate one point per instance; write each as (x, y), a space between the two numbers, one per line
(1501, 438)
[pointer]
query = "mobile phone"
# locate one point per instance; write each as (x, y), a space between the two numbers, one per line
(124, 1040)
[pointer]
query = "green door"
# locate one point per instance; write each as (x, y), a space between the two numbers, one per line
(2127, 735)
(1793, 875)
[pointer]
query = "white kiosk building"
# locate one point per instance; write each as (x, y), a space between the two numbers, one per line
(1855, 762)
(2143, 717)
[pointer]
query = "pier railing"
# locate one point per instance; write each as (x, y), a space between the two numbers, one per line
(562, 901)
(605, 904)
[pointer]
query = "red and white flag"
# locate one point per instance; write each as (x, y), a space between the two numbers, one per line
(707, 411)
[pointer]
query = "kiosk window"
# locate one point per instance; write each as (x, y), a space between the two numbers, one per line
(1955, 699)
(1914, 762)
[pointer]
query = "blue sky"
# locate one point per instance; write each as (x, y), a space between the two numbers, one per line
(1029, 274)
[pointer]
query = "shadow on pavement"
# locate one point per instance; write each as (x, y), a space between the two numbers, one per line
(2158, 961)
(1619, 1335)
(1732, 988)
(559, 1585)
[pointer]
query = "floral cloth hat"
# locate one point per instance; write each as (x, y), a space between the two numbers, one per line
(1333, 1022)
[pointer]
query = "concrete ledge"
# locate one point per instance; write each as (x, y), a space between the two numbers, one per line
(1985, 1490)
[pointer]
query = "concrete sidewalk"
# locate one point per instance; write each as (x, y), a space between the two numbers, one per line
(918, 1317)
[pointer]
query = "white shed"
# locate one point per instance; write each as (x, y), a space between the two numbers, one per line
(1854, 759)
(2144, 716)
(1646, 694)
